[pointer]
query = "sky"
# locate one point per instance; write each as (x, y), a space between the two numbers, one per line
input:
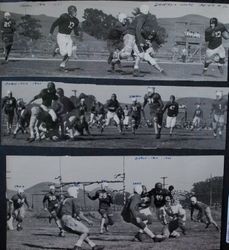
(103, 92)
(182, 171)
(160, 9)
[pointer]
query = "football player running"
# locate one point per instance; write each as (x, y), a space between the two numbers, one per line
(215, 51)
(19, 201)
(131, 214)
(156, 105)
(133, 40)
(8, 28)
(115, 38)
(72, 217)
(219, 107)
(112, 106)
(172, 108)
(105, 202)
(66, 23)
(203, 211)
(9, 105)
(135, 114)
(51, 203)
(197, 117)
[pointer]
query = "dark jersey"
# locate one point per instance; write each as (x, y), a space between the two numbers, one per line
(66, 24)
(24, 116)
(8, 27)
(82, 109)
(214, 36)
(159, 196)
(120, 112)
(200, 206)
(68, 105)
(47, 97)
(19, 200)
(117, 32)
(172, 108)
(105, 199)
(9, 104)
(154, 101)
(70, 207)
(112, 105)
(198, 113)
(219, 107)
(135, 110)
(138, 24)
(52, 199)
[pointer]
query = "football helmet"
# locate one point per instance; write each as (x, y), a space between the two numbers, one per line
(73, 191)
(144, 9)
(214, 21)
(193, 200)
(158, 185)
(138, 189)
(7, 15)
(51, 85)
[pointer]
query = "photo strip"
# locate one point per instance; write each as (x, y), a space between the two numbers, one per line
(119, 40)
(57, 114)
(134, 203)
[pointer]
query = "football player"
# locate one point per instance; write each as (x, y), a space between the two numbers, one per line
(172, 108)
(48, 95)
(66, 23)
(126, 117)
(131, 214)
(156, 105)
(8, 28)
(135, 114)
(23, 117)
(105, 202)
(197, 117)
(82, 107)
(72, 217)
(9, 105)
(19, 201)
(215, 51)
(112, 106)
(177, 218)
(115, 38)
(203, 211)
(51, 203)
(9, 210)
(159, 195)
(219, 107)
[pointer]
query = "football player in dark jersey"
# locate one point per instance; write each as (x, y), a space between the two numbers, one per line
(218, 110)
(105, 201)
(172, 108)
(66, 23)
(9, 105)
(19, 201)
(112, 106)
(197, 117)
(51, 202)
(8, 28)
(115, 38)
(131, 214)
(48, 95)
(72, 220)
(159, 195)
(135, 114)
(156, 105)
(215, 51)
(203, 210)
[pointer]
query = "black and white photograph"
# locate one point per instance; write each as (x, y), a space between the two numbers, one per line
(61, 114)
(115, 40)
(137, 202)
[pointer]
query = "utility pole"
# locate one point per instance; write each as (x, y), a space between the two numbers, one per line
(124, 181)
(74, 91)
(210, 203)
(163, 181)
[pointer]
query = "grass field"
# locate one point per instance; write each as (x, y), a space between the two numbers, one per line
(144, 138)
(99, 69)
(39, 234)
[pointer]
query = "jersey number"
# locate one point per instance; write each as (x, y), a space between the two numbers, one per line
(71, 25)
(7, 24)
(218, 34)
